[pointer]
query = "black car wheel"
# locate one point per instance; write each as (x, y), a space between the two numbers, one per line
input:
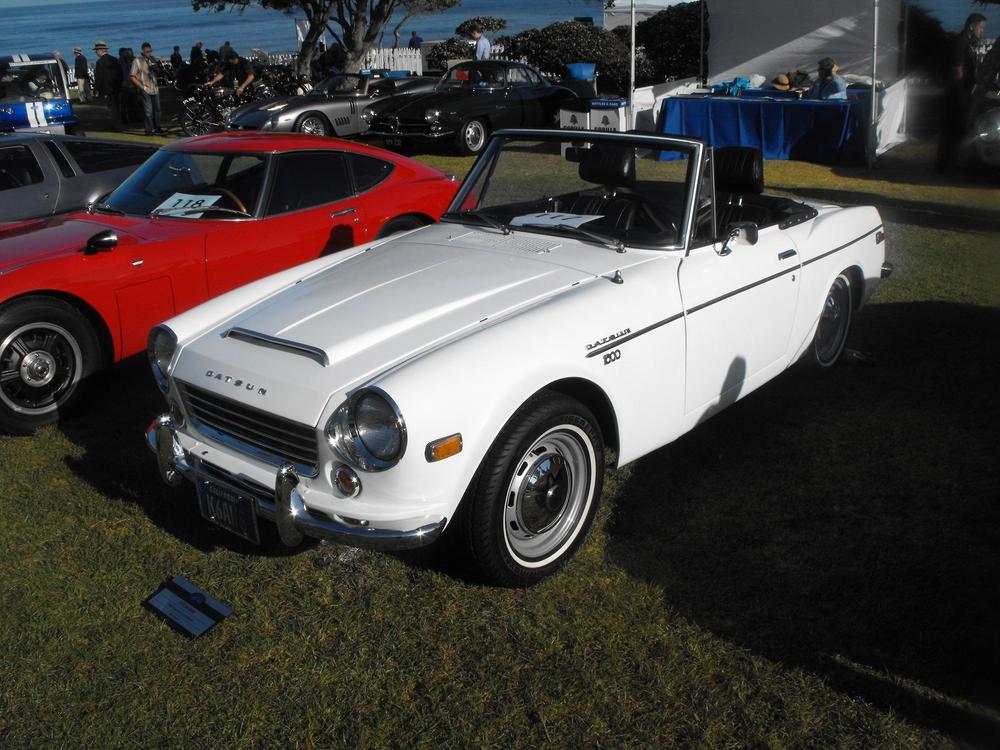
(472, 136)
(47, 349)
(536, 492)
(833, 327)
(312, 123)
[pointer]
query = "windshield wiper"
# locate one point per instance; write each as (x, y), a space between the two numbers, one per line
(485, 218)
(104, 208)
(607, 240)
(201, 210)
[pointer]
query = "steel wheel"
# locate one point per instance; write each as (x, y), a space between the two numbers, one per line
(548, 494)
(834, 323)
(536, 492)
(472, 136)
(40, 364)
(312, 125)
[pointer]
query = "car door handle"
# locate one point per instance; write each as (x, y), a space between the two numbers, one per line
(786, 254)
(342, 212)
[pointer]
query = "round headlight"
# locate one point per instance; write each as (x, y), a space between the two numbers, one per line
(161, 348)
(432, 115)
(368, 430)
(368, 115)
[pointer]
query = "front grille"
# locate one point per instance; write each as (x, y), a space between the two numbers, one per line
(262, 434)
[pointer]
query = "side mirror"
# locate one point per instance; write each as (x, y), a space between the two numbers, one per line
(101, 242)
(750, 233)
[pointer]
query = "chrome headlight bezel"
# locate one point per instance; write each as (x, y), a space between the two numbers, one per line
(432, 115)
(161, 346)
(345, 438)
(368, 114)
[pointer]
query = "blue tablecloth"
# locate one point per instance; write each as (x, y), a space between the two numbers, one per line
(825, 132)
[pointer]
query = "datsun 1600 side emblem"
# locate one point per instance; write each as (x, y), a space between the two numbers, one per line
(235, 382)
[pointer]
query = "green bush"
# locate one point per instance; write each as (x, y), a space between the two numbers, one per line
(670, 39)
(486, 23)
(449, 49)
(551, 48)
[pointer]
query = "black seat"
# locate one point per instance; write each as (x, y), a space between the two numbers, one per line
(738, 169)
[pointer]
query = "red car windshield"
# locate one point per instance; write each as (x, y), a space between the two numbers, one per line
(192, 185)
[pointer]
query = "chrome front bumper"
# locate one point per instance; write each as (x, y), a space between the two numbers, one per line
(288, 510)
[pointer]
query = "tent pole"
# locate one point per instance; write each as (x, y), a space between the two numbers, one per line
(631, 72)
(701, 45)
(872, 134)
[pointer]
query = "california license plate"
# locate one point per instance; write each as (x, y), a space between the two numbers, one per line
(229, 509)
(393, 141)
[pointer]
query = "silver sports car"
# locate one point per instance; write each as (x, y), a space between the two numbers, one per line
(334, 107)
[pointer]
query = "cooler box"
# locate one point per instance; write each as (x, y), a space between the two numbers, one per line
(608, 115)
(581, 71)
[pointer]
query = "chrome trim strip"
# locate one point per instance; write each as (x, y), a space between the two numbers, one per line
(272, 342)
(306, 470)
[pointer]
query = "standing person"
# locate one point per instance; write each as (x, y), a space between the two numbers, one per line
(236, 70)
(224, 50)
(483, 46)
(829, 85)
(176, 61)
(145, 80)
(108, 82)
(82, 72)
(415, 41)
(960, 84)
(62, 64)
(197, 55)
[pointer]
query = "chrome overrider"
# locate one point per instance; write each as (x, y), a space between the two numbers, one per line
(289, 512)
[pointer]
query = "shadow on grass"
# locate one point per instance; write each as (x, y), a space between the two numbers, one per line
(849, 525)
(902, 211)
(110, 427)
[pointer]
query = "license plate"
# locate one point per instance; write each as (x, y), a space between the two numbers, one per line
(393, 141)
(229, 509)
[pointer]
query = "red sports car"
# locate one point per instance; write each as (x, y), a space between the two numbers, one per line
(200, 217)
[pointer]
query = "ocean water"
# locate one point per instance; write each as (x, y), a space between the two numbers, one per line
(42, 25)
(46, 25)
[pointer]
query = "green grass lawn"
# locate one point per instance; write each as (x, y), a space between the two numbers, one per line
(819, 566)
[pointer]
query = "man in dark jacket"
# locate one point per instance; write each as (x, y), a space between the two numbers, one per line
(176, 61)
(108, 82)
(960, 83)
(197, 56)
(82, 74)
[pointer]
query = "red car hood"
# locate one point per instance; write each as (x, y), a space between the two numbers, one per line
(33, 241)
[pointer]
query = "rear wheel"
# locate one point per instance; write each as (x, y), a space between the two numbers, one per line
(472, 136)
(536, 493)
(833, 327)
(312, 123)
(47, 350)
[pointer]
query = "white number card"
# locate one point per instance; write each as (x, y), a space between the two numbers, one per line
(181, 204)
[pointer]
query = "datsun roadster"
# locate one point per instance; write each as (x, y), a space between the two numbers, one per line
(584, 293)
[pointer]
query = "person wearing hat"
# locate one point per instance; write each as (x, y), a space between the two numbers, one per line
(108, 82)
(829, 85)
(81, 71)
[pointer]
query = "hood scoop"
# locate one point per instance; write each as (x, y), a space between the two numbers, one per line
(273, 342)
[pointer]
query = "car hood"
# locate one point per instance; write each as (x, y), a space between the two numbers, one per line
(381, 307)
(39, 240)
(416, 105)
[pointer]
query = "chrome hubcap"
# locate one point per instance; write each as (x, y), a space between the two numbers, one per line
(313, 126)
(475, 135)
(39, 365)
(549, 494)
(832, 323)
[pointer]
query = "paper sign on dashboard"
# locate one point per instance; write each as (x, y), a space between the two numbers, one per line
(179, 204)
(552, 219)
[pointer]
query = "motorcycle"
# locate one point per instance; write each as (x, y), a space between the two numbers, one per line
(207, 108)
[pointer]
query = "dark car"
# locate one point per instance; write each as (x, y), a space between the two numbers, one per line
(332, 108)
(42, 174)
(468, 103)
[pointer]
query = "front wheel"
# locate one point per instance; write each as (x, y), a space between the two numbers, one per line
(312, 123)
(472, 136)
(833, 327)
(47, 349)
(537, 491)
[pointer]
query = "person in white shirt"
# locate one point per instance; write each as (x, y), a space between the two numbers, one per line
(483, 46)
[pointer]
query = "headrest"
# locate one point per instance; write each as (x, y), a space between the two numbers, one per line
(738, 169)
(608, 164)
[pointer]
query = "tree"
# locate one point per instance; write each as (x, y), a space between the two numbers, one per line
(358, 22)
(671, 39)
(486, 23)
(420, 8)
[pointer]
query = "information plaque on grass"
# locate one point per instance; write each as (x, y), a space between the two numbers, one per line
(186, 608)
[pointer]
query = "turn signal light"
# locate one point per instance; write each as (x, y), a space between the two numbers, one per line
(346, 481)
(444, 448)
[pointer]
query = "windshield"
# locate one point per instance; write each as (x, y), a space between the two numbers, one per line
(628, 191)
(475, 75)
(177, 183)
(341, 83)
(21, 82)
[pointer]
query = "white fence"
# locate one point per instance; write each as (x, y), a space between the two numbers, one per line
(401, 58)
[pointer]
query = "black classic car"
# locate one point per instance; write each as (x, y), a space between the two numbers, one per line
(332, 108)
(42, 174)
(469, 102)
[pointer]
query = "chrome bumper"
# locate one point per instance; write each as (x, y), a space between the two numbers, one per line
(289, 512)
(887, 269)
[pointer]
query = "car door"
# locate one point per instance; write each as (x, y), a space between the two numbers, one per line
(29, 185)
(531, 94)
(739, 306)
(309, 210)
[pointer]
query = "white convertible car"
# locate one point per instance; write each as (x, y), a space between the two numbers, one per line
(585, 293)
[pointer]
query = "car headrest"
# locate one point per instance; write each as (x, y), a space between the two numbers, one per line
(608, 164)
(738, 169)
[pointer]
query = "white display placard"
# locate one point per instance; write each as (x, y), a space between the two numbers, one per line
(179, 204)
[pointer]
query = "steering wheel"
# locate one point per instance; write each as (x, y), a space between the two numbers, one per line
(226, 193)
